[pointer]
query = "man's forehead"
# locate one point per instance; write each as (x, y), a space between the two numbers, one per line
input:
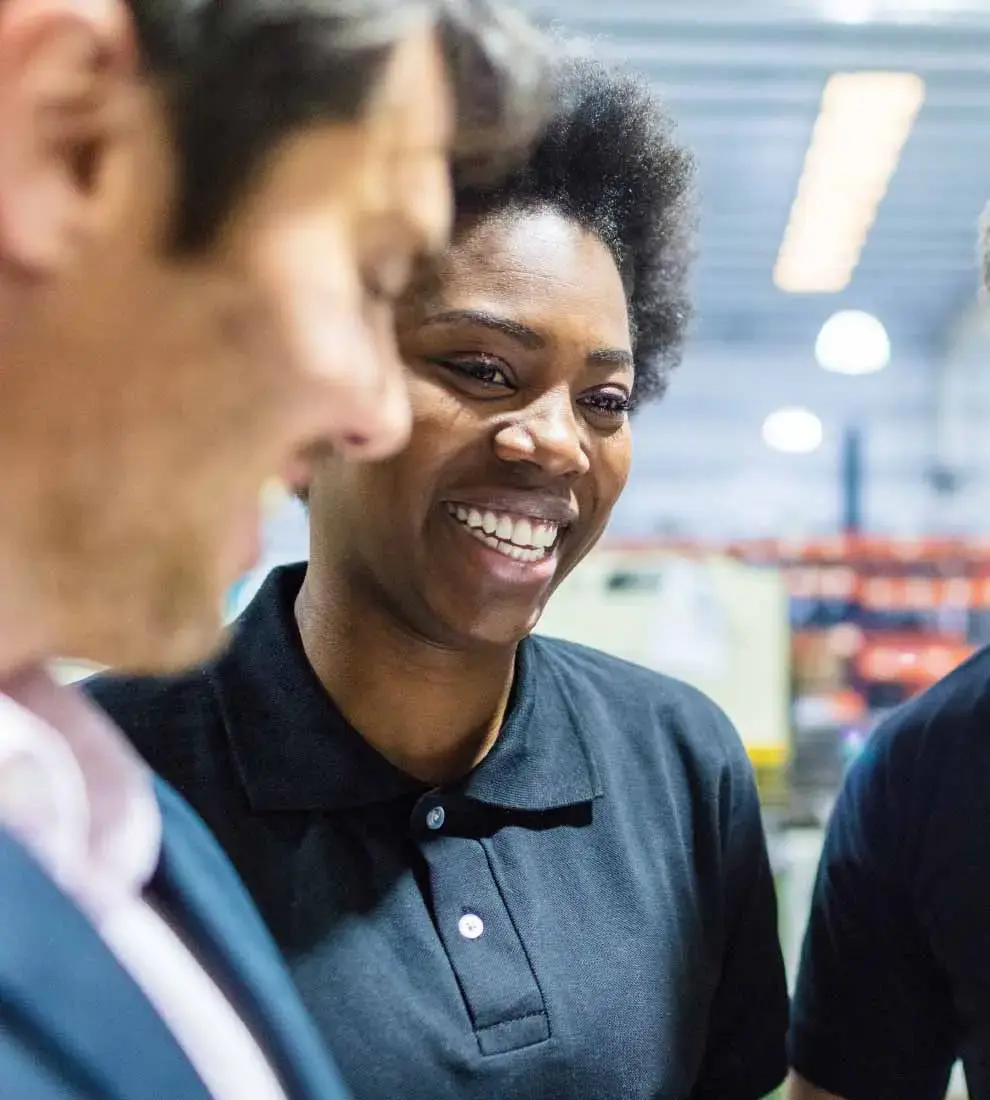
(416, 102)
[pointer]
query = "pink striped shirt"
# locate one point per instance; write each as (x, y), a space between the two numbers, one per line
(81, 801)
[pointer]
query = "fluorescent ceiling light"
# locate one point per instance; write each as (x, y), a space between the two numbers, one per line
(793, 430)
(864, 120)
(852, 342)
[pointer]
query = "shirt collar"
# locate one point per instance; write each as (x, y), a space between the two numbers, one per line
(74, 792)
(295, 751)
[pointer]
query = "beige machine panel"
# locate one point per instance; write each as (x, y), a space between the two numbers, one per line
(714, 622)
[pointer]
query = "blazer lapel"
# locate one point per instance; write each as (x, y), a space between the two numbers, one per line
(196, 882)
(59, 976)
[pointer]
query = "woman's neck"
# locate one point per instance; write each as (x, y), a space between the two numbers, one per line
(432, 711)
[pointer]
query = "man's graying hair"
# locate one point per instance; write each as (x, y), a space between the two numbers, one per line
(240, 75)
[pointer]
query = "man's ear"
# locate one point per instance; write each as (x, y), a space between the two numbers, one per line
(68, 71)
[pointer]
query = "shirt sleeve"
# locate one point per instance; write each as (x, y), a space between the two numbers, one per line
(745, 1054)
(873, 1016)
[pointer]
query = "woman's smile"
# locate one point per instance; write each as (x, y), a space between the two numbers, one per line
(516, 549)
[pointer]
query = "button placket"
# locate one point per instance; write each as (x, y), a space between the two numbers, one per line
(483, 946)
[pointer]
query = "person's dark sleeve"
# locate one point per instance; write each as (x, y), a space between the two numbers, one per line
(745, 1054)
(873, 1016)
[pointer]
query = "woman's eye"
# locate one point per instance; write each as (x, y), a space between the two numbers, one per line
(479, 368)
(610, 404)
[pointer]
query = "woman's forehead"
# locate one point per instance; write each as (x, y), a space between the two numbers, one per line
(535, 261)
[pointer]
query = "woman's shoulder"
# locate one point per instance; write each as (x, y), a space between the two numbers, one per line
(640, 703)
(139, 701)
(168, 719)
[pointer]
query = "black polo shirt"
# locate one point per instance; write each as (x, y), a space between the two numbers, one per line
(588, 915)
(894, 984)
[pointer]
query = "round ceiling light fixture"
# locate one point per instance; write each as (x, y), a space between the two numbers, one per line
(850, 11)
(793, 430)
(852, 342)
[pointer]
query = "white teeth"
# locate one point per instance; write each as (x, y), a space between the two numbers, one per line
(522, 533)
(517, 553)
(545, 535)
(520, 539)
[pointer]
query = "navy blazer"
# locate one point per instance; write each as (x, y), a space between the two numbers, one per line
(75, 1026)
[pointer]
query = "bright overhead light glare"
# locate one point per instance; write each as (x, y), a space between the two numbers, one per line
(849, 11)
(864, 120)
(793, 430)
(852, 342)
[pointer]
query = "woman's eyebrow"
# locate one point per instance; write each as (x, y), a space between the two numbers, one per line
(611, 357)
(524, 335)
(529, 338)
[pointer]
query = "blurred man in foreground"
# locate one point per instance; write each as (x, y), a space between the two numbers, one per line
(894, 985)
(206, 209)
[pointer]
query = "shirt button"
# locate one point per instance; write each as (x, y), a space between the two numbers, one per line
(435, 818)
(470, 926)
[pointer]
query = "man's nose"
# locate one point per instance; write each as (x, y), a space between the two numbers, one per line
(374, 416)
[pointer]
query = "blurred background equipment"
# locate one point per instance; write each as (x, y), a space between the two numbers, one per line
(717, 622)
(804, 532)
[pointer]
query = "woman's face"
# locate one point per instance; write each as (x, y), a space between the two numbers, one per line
(520, 373)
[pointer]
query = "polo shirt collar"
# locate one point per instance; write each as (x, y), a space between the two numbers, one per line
(294, 750)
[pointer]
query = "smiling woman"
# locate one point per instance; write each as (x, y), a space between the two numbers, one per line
(522, 379)
(499, 865)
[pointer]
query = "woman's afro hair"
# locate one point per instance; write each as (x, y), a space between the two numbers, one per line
(609, 160)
